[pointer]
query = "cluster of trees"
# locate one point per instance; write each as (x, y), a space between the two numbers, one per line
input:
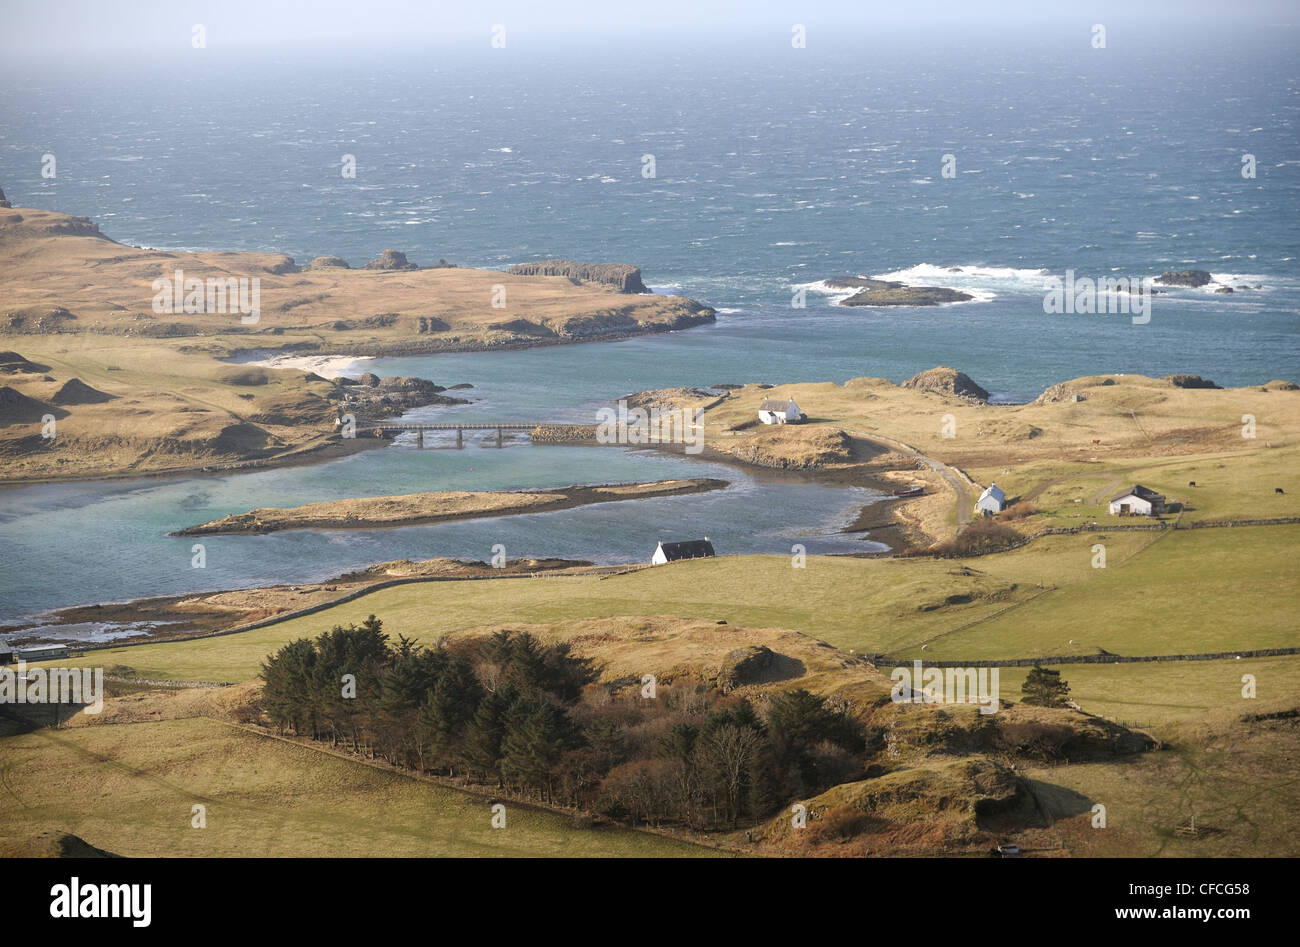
(512, 712)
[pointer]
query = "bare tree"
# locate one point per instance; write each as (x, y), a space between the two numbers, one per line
(728, 751)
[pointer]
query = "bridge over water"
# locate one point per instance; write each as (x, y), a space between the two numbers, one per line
(459, 427)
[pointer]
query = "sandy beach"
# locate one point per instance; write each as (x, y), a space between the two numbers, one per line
(327, 366)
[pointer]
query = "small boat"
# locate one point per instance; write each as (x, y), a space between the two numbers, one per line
(910, 492)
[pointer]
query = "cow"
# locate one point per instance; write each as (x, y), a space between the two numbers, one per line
(1278, 490)
(1191, 483)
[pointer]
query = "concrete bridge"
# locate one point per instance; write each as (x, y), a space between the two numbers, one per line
(460, 428)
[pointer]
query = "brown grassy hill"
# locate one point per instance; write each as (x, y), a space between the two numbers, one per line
(59, 274)
(145, 392)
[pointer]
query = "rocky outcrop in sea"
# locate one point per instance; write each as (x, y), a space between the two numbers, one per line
(878, 292)
(370, 396)
(622, 276)
(391, 260)
(1192, 278)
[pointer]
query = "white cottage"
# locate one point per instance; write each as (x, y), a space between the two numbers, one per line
(991, 501)
(675, 552)
(779, 411)
(1137, 501)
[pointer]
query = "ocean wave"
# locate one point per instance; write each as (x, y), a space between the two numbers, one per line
(984, 283)
(838, 294)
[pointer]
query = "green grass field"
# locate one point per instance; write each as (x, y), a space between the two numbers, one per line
(1185, 592)
(1154, 695)
(1228, 486)
(1176, 593)
(130, 789)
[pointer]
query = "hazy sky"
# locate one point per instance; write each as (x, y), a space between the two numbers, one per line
(43, 26)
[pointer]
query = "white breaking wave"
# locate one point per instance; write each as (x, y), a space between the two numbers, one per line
(819, 286)
(985, 283)
(1219, 280)
(908, 277)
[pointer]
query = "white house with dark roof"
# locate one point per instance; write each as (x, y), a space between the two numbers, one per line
(779, 411)
(991, 501)
(675, 552)
(1137, 501)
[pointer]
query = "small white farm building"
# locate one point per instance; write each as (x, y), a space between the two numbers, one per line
(690, 549)
(779, 411)
(1137, 501)
(991, 501)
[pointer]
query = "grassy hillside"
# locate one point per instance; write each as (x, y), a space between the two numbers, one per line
(129, 788)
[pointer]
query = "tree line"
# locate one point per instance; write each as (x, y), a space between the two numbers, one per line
(512, 712)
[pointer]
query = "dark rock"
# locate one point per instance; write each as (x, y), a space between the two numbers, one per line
(1223, 289)
(407, 383)
(371, 397)
(622, 276)
(1189, 381)
(3, 202)
(391, 260)
(876, 292)
(1061, 392)
(430, 324)
(1192, 278)
(284, 265)
(756, 664)
(947, 381)
(381, 321)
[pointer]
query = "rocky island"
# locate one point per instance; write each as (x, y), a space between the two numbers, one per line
(1193, 279)
(878, 292)
(118, 356)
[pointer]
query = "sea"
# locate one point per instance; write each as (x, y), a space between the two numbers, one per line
(732, 168)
